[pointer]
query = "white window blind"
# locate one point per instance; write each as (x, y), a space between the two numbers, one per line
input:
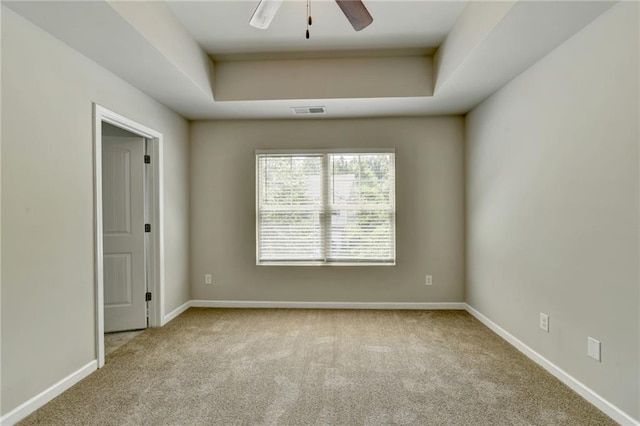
(325, 208)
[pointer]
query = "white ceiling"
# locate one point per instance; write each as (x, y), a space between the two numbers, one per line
(163, 48)
(221, 27)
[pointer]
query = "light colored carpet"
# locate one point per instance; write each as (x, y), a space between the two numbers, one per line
(319, 367)
(113, 341)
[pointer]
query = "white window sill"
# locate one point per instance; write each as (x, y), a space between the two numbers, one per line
(323, 264)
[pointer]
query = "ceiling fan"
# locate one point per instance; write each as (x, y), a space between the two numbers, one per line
(354, 10)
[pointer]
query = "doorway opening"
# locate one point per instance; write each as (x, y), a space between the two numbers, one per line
(129, 254)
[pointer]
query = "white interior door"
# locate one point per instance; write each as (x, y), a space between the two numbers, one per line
(124, 234)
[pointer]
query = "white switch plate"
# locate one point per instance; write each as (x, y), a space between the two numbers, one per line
(544, 321)
(593, 348)
(428, 280)
(207, 278)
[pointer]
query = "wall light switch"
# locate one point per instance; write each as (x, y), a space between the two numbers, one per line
(207, 278)
(593, 348)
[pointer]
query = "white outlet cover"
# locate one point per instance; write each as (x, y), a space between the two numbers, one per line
(207, 278)
(544, 321)
(428, 280)
(593, 348)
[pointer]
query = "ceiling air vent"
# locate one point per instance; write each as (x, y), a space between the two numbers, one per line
(309, 110)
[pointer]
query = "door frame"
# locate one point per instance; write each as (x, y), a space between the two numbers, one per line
(156, 278)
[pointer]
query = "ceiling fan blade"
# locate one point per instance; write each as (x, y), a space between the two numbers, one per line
(356, 13)
(264, 13)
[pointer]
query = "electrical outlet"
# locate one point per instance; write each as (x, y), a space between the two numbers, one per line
(593, 348)
(207, 278)
(428, 280)
(544, 321)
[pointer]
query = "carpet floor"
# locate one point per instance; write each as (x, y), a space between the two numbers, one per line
(113, 341)
(319, 367)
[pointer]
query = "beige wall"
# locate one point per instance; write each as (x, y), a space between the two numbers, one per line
(402, 76)
(429, 187)
(48, 315)
(552, 206)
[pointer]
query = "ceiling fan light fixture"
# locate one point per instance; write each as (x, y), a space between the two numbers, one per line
(264, 13)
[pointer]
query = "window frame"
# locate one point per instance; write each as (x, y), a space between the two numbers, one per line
(325, 153)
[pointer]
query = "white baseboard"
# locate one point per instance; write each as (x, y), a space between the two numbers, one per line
(605, 406)
(177, 311)
(28, 407)
(323, 305)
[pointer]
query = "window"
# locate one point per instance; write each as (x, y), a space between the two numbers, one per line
(325, 208)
